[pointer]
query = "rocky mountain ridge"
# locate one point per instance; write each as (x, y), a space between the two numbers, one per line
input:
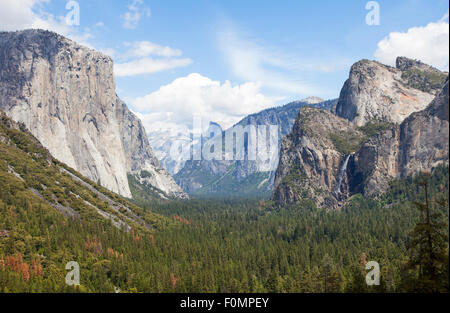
(245, 177)
(65, 95)
(375, 91)
(313, 156)
(369, 142)
(419, 143)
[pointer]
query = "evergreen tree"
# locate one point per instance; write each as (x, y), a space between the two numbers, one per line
(429, 245)
(329, 276)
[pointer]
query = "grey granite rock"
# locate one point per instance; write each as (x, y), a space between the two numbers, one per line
(65, 94)
(375, 91)
(328, 158)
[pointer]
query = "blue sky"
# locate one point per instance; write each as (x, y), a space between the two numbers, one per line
(309, 30)
(270, 52)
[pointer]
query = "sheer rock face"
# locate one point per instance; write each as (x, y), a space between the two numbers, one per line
(378, 92)
(328, 158)
(420, 143)
(311, 159)
(65, 94)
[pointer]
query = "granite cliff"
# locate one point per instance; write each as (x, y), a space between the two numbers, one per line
(65, 95)
(389, 123)
(314, 158)
(375, 91)
(419, 143)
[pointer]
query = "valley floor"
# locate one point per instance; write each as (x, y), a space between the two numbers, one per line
(222, 246)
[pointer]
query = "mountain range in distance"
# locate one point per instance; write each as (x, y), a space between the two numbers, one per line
(243, 177)
(65, 95)
(375, 98)
(296, 198)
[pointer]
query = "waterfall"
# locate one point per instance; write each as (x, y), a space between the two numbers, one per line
(342, 172)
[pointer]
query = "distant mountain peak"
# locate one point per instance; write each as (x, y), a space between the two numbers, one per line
(312, 100)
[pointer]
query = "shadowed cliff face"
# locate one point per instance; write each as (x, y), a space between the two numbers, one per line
(328, 158)
(314, 157)
(420, 143)
(65, 94)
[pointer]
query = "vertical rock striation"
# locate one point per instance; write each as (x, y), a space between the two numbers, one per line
(314, 157)
(390, 123)
(420, 143)
(65, 94)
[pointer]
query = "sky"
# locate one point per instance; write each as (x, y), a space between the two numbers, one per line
(224, 59)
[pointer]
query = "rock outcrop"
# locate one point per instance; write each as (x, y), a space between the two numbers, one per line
(379, 92)
(392, 123)
(420, 143)
(420, 75)
(65, 95)
(28, 171)
(314, 158)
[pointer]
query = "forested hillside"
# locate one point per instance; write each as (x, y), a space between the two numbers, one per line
(50, 215)
(48, 218)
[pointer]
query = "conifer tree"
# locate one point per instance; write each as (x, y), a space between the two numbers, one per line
(429, 245)
(329, 275)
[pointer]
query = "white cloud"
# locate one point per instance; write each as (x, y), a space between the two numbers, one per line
(144, 57)
(25, 14)
(136, 10)
(429, 44)
(148, 66)
(16, 15)
(147, 48)
(272, 67)
(174, 105)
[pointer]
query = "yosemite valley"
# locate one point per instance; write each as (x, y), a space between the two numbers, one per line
(360, 177)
